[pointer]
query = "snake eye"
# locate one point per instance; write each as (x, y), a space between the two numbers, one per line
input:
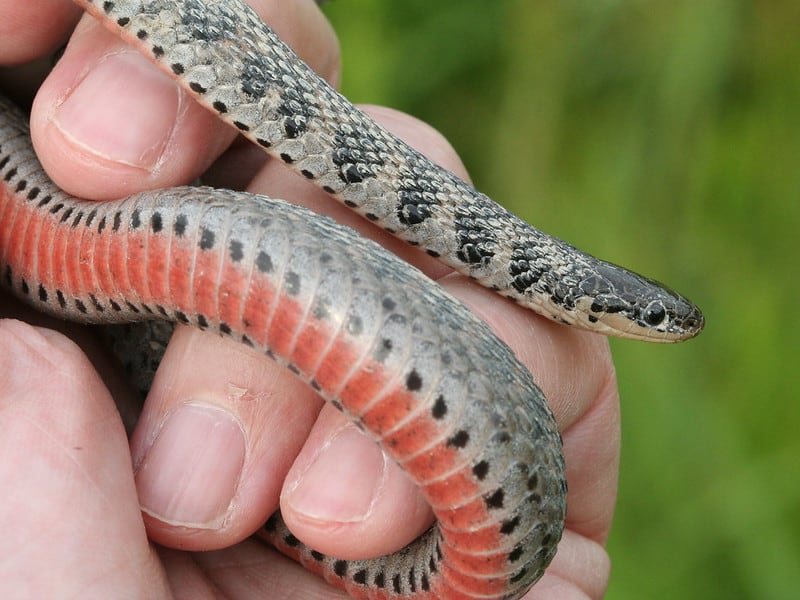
(654, 314)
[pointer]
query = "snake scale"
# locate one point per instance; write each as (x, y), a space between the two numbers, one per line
(407, 363)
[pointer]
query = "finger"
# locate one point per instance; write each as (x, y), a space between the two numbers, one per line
(107, 122)
(247, 570)
(344, 497)
(91, 343)
(29, 30)
(220, 428)
(579, 571)
(64, 462)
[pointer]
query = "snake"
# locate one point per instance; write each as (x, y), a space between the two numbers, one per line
(408, 364)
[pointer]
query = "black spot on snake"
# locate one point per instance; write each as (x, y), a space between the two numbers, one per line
(380, 580)
(207, 239)
(236, 251)
(264, 262)
(67, 214)
(439, 409)
(459, 440)
(481, 470)
(340, 568)
(516, 554)
(96, 303)
(496, 499)
(432, 566)
(413, 381)
(509, 526)
(179, 227)
(156, 222)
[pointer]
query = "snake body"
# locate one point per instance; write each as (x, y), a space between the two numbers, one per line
(407, 363)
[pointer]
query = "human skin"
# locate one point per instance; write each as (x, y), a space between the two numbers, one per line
(77, 518)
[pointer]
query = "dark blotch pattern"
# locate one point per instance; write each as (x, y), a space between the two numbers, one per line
(181, 223)
(413, 381)
(207, 239)
(496, 499)
(439, 409)
(357, 155)
(481, 470)
(509, 526)
(236, 251)
(459, 440)
(340, 568)
(475, 240)
(523, 268)
(264, 262)
(417, 193)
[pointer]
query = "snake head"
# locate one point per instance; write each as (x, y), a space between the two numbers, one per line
(621, 303)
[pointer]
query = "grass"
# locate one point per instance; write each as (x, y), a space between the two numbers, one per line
(664, 136)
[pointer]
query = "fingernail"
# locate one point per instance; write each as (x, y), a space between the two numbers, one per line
(107, 113)
(190, 474)
(333, 486)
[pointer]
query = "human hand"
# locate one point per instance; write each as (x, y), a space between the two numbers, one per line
(219, 412)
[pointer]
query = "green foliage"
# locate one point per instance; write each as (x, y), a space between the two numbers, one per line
(664, 136)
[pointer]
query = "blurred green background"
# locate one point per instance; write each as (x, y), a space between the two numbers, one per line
(663, 135)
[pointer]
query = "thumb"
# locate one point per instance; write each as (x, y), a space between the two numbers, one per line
(69, 512)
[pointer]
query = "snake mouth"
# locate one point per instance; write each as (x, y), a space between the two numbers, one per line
(676, 321)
